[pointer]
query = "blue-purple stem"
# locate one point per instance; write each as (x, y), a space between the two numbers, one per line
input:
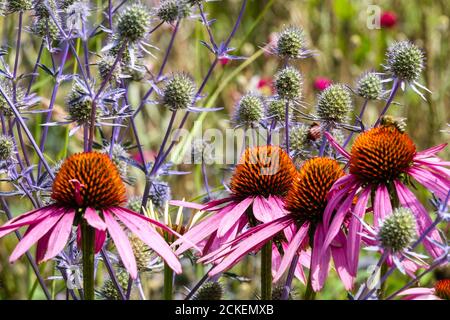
(286, 125)
(361, 114)
(394, 90)
(290, 278)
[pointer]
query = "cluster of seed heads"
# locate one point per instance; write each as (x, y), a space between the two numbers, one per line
(369, 86)
(6, 147)
(211, 290)
(290, 43)
(334, 104)
(405, 61)
(178, 92)
(249, 110)
(173, 10)
(398, 230)
(133, 22)
(288, 83)
(109, 290)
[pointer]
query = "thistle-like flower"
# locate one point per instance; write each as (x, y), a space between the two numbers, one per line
(105, 65)
(289, 83)
(249, 111)
(172, 10)
(299, 136)
(276, 110)
(109, 290)
(397, 230)
(79, 103)
(133, 23)
(404, 64)
(11, 6)
(178, 92)
(370, 86)
(211, 290)
(6, 147)
(290, 43)
(334, 104)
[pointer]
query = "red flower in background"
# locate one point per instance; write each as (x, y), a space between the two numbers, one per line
(321, 83)
(388, 19)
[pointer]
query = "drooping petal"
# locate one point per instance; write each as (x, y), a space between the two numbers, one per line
(60, 235)
(261, 209)
(337, 146)
(382, 206)
(233, 216)
(334, 199)
(186, 204)
(41, 247)
(255, 240)
(431, 181)
(320, 260)
(94, 220)
(345, 271)
(431, 151)
(409, 200)
(122, 244)
(38, 231)
(354, 231)
(100, 237)
(277, 205)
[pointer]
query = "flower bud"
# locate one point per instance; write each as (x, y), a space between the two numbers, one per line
(397, 230)
(299, 139)
(276, 110)
(105, 65)
(79, 103)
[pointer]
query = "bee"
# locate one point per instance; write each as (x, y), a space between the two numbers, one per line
(393, 122)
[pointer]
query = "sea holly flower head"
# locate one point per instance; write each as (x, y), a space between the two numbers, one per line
(249, 110)
(172, 10)
(133, 23)
(334, 104)
(178, 92)
(289, 83)
(397, 230)
(6, 147)
(370, 86)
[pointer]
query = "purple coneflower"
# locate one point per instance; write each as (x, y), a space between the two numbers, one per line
(302, 226)
(440, 291)
(382, 161)
(88, 192)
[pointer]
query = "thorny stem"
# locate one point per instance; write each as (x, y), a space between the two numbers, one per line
(88, 240)
(28, 255)
(266, 271)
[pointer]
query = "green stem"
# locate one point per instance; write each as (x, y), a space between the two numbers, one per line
(266, 271)
(168, 282)
(310, 294)
(87, 241)
(384, 269)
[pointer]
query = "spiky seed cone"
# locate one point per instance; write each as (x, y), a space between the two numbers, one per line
(290, 42)
(210, 291)
(276, 110)
(6, 147)
(172, 10)
(398, 230)
(288, 83)
(405, 61)
(249, 110)
(299, 138)
(79, 104)
(109, 291)
(105, 65)
(178, 92)
(334, 104)
(133, 23)
(369, 86)
(141, 252)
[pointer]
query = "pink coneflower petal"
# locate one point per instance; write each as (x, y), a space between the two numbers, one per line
(38, 231)
(337, 146)
(32, 217)
(233, 216)
(417, 291)
(430, 151)
(338, 219)
(320, 261)
(59, 235)
(122, 244)
(93, 219)
(150, 237)
(100, 237)
(291, 250)
(354, 236)
(214, 205)
(347, 180)
(432, 182)
(41, 247)
(255, 240)
(345, 272)
(409, 200)
(202, 230)
(382, 206)
(277, 205)
(334, 199)
(262, 209)
(186, 204)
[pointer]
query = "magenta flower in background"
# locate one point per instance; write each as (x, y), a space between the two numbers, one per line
(388, 19)
(321, 83)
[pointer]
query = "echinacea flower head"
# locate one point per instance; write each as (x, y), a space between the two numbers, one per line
(6, 147)
(291, 43)
(261, 179)
(397, 230)
(178, 92)
(171, 10)
(134, 22)
(88, 188)
(289, 83)
(249, 110)
(384, 160)
(369, 86)
(440, 291)
(334, 104)
(300, 226)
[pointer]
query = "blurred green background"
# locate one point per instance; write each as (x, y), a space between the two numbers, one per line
(346, 47)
